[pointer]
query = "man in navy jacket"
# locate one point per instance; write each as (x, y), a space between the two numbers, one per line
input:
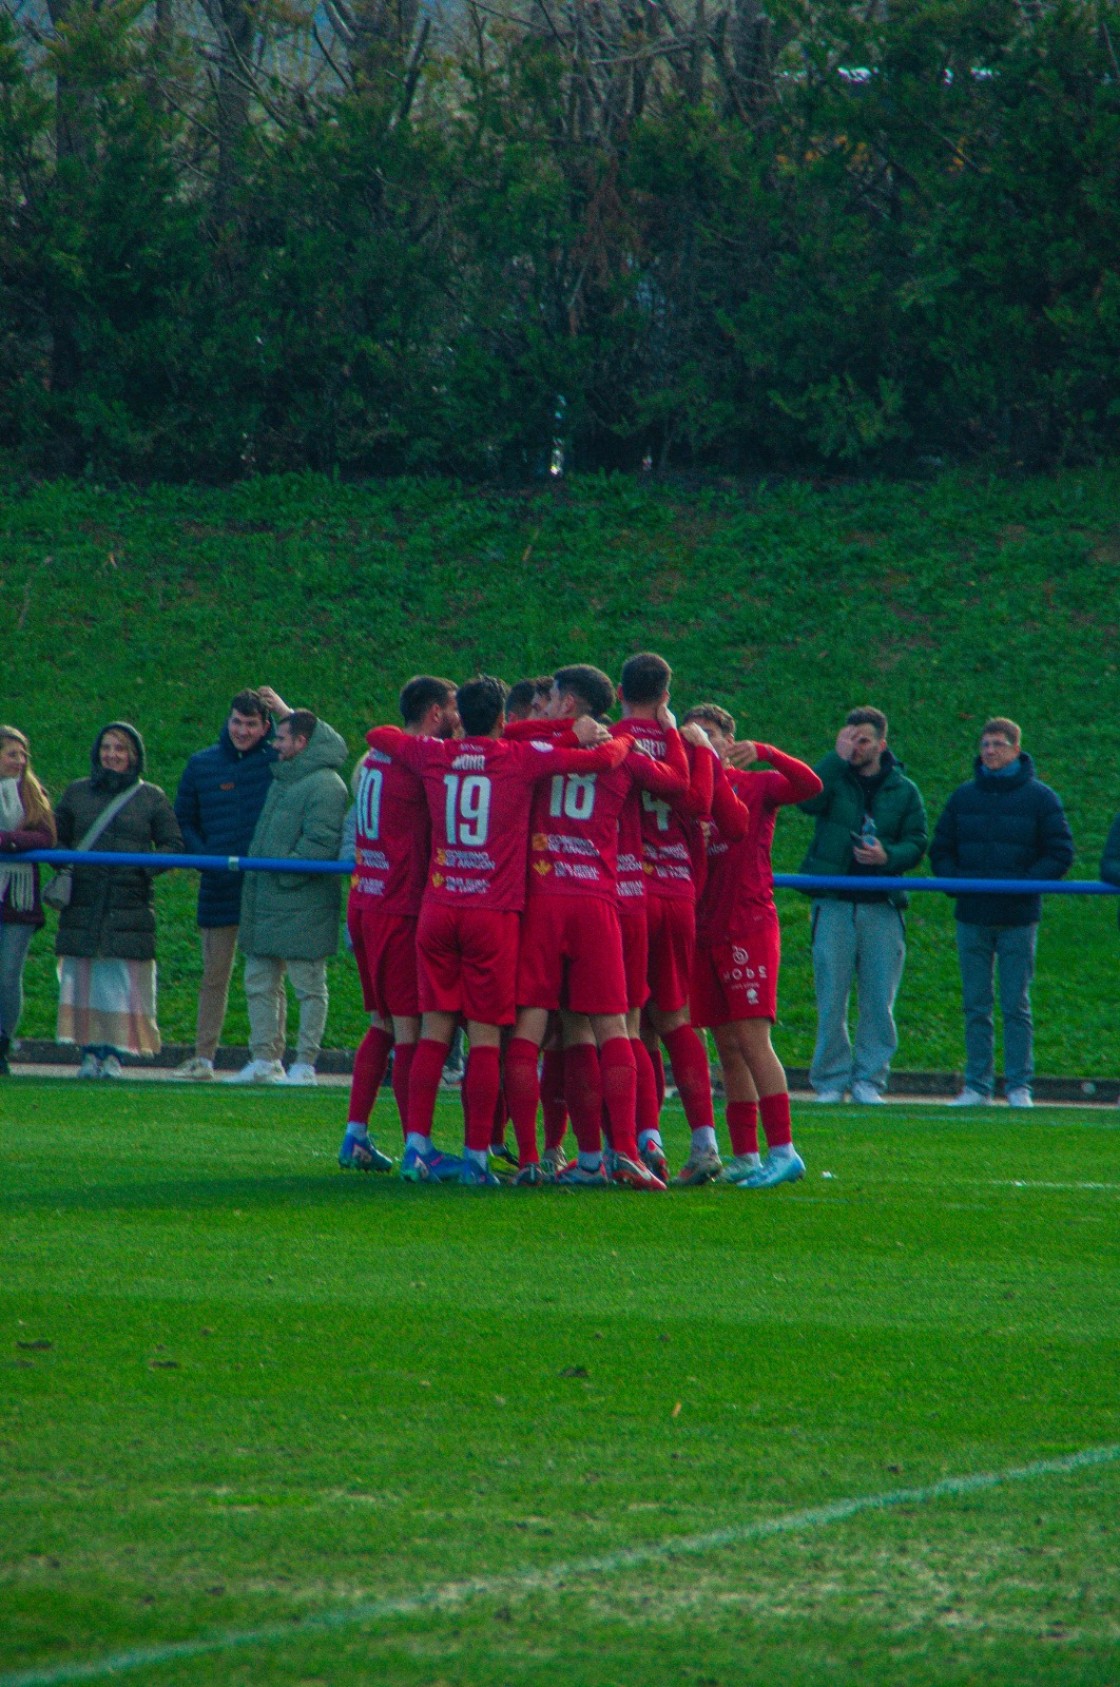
(218, 804)
(1003, 824)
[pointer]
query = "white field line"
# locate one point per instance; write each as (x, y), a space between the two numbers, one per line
(520, 1583)
(1032, 1183)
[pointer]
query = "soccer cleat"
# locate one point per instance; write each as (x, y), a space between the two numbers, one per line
(652, 1156)
(632, 1174)
(970, 1098)
(476, 1176)
(430, 1168)
(1020, 1096)
(532, 1176)
(111, 1067)
(775, 1169)
(499, 1151)
(361, 1154)
(829, 1098)
(702, 1166)
(197, 1067)
(866, 1095)
(299, 1072)
(575, 1176)
(259, 1072)
(554, 1160)
(90, 1067)
(738, 1167)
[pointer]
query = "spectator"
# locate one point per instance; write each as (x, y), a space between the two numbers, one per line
(871, 821)
(1003, 824)
(218, 804)
(26, 822)
(107, 934)
(289, 921)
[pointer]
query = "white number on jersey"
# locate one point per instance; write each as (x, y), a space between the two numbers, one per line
(369, 802)
(467, 814)
(572, 794)
(658, 806)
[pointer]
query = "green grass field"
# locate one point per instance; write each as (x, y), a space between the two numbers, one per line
(264, 1423)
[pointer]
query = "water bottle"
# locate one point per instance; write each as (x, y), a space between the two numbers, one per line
(867, 832)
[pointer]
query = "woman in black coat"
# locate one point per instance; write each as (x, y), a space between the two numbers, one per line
(106, 939)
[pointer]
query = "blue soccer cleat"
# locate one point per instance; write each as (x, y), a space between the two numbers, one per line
(361, 1154)
(430, 1168)
(775, 1169)
(478, 1177)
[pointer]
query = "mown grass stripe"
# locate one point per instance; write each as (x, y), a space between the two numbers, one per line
(517, 1584)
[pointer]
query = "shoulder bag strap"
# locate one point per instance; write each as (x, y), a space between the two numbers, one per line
(108, 815)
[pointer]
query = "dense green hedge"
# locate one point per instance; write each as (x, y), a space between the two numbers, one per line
(822, 240)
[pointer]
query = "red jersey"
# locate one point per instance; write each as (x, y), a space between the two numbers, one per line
(740, 882)
(391, 844)
(478, 792)
(574, 831)
(668, 831)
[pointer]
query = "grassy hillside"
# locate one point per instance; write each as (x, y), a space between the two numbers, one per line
(941, 603)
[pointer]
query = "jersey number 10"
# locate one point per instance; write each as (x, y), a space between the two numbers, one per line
(467, 814)
(572, 794)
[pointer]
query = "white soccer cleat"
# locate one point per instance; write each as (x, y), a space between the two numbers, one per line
(259, 1072)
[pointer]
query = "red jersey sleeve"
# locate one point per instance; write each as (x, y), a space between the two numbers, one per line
(668, 778)
(729, 811)
(799, 782)
(697, 800)
(519, 730)
(601, 759)
(405, 747)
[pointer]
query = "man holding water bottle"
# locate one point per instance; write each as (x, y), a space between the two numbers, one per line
(870, 822)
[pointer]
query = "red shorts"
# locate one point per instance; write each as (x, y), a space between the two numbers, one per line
(672, 943)
(635, 954)
(571, 955)
(737, 978)
(385, 950)
(467, 961)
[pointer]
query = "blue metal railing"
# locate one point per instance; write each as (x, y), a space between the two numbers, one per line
(782, 881)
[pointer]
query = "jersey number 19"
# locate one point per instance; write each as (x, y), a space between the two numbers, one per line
(467, 814)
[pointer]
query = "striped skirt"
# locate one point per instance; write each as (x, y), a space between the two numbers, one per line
(112, 1002)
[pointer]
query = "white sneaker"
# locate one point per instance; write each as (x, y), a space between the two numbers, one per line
(829, 1098)
(866, 1095)
(90, 1067)
(197, 1067)
(299, 1072)
(970, 1098)
(1020, 1096)
(259, 1072)
(111, 1067)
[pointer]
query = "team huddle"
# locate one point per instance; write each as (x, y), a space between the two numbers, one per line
(579, 895)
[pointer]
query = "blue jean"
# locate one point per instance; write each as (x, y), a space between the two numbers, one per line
(14, 942)
(860, 943)
(979, 948)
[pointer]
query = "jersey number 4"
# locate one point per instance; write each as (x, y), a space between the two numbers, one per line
(467, 814)
(656, 805)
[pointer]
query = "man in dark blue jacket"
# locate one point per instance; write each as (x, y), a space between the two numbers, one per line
(219, 802)
(1003, 824)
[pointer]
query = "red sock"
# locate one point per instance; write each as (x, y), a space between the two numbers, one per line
(658, 1065)
(501, 1114)
(370, 1062)
(402, 1067)
(604, 1115)
(620, 1083)
(523, 1094)
(694, 1079)
(553, 1105)
(776, 1119)
(647, 1110)
(481, 1083)
(584, 1091)
(742, 1126)
(423, 1084)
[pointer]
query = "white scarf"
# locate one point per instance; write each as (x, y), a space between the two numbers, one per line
(17, 882)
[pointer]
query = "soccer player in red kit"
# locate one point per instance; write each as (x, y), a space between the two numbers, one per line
(571, 941)
(390, 862)
(671, 853)
(478, 790)
(738, 951)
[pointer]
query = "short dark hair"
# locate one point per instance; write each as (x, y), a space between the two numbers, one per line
(868, 717)
(645, 677)
(481, 701)
(1008, 729)
(301, 723)
(520, 695)
(590, 685)
(250, 702)
(715, 715)
(420, 692)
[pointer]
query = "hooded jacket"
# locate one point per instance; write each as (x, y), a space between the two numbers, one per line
(218, 804)
(900, 824)
(295, 916)
(111, 915)
(1002, 828)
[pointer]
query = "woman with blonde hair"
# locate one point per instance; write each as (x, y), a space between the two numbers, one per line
(26, 822)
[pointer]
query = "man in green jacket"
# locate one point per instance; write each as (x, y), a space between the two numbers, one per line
(290, 921)
(871, 821)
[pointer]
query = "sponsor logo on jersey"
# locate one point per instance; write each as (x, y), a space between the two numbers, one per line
(375, 858)
(470, 859)
(629, 864)
(370, 887)
(437, 880)
(577, 870)
(539, 841)
(666, 870)
(627, 888)
(542, 867)
(559, 843)
(739, 956)
(466, 887)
